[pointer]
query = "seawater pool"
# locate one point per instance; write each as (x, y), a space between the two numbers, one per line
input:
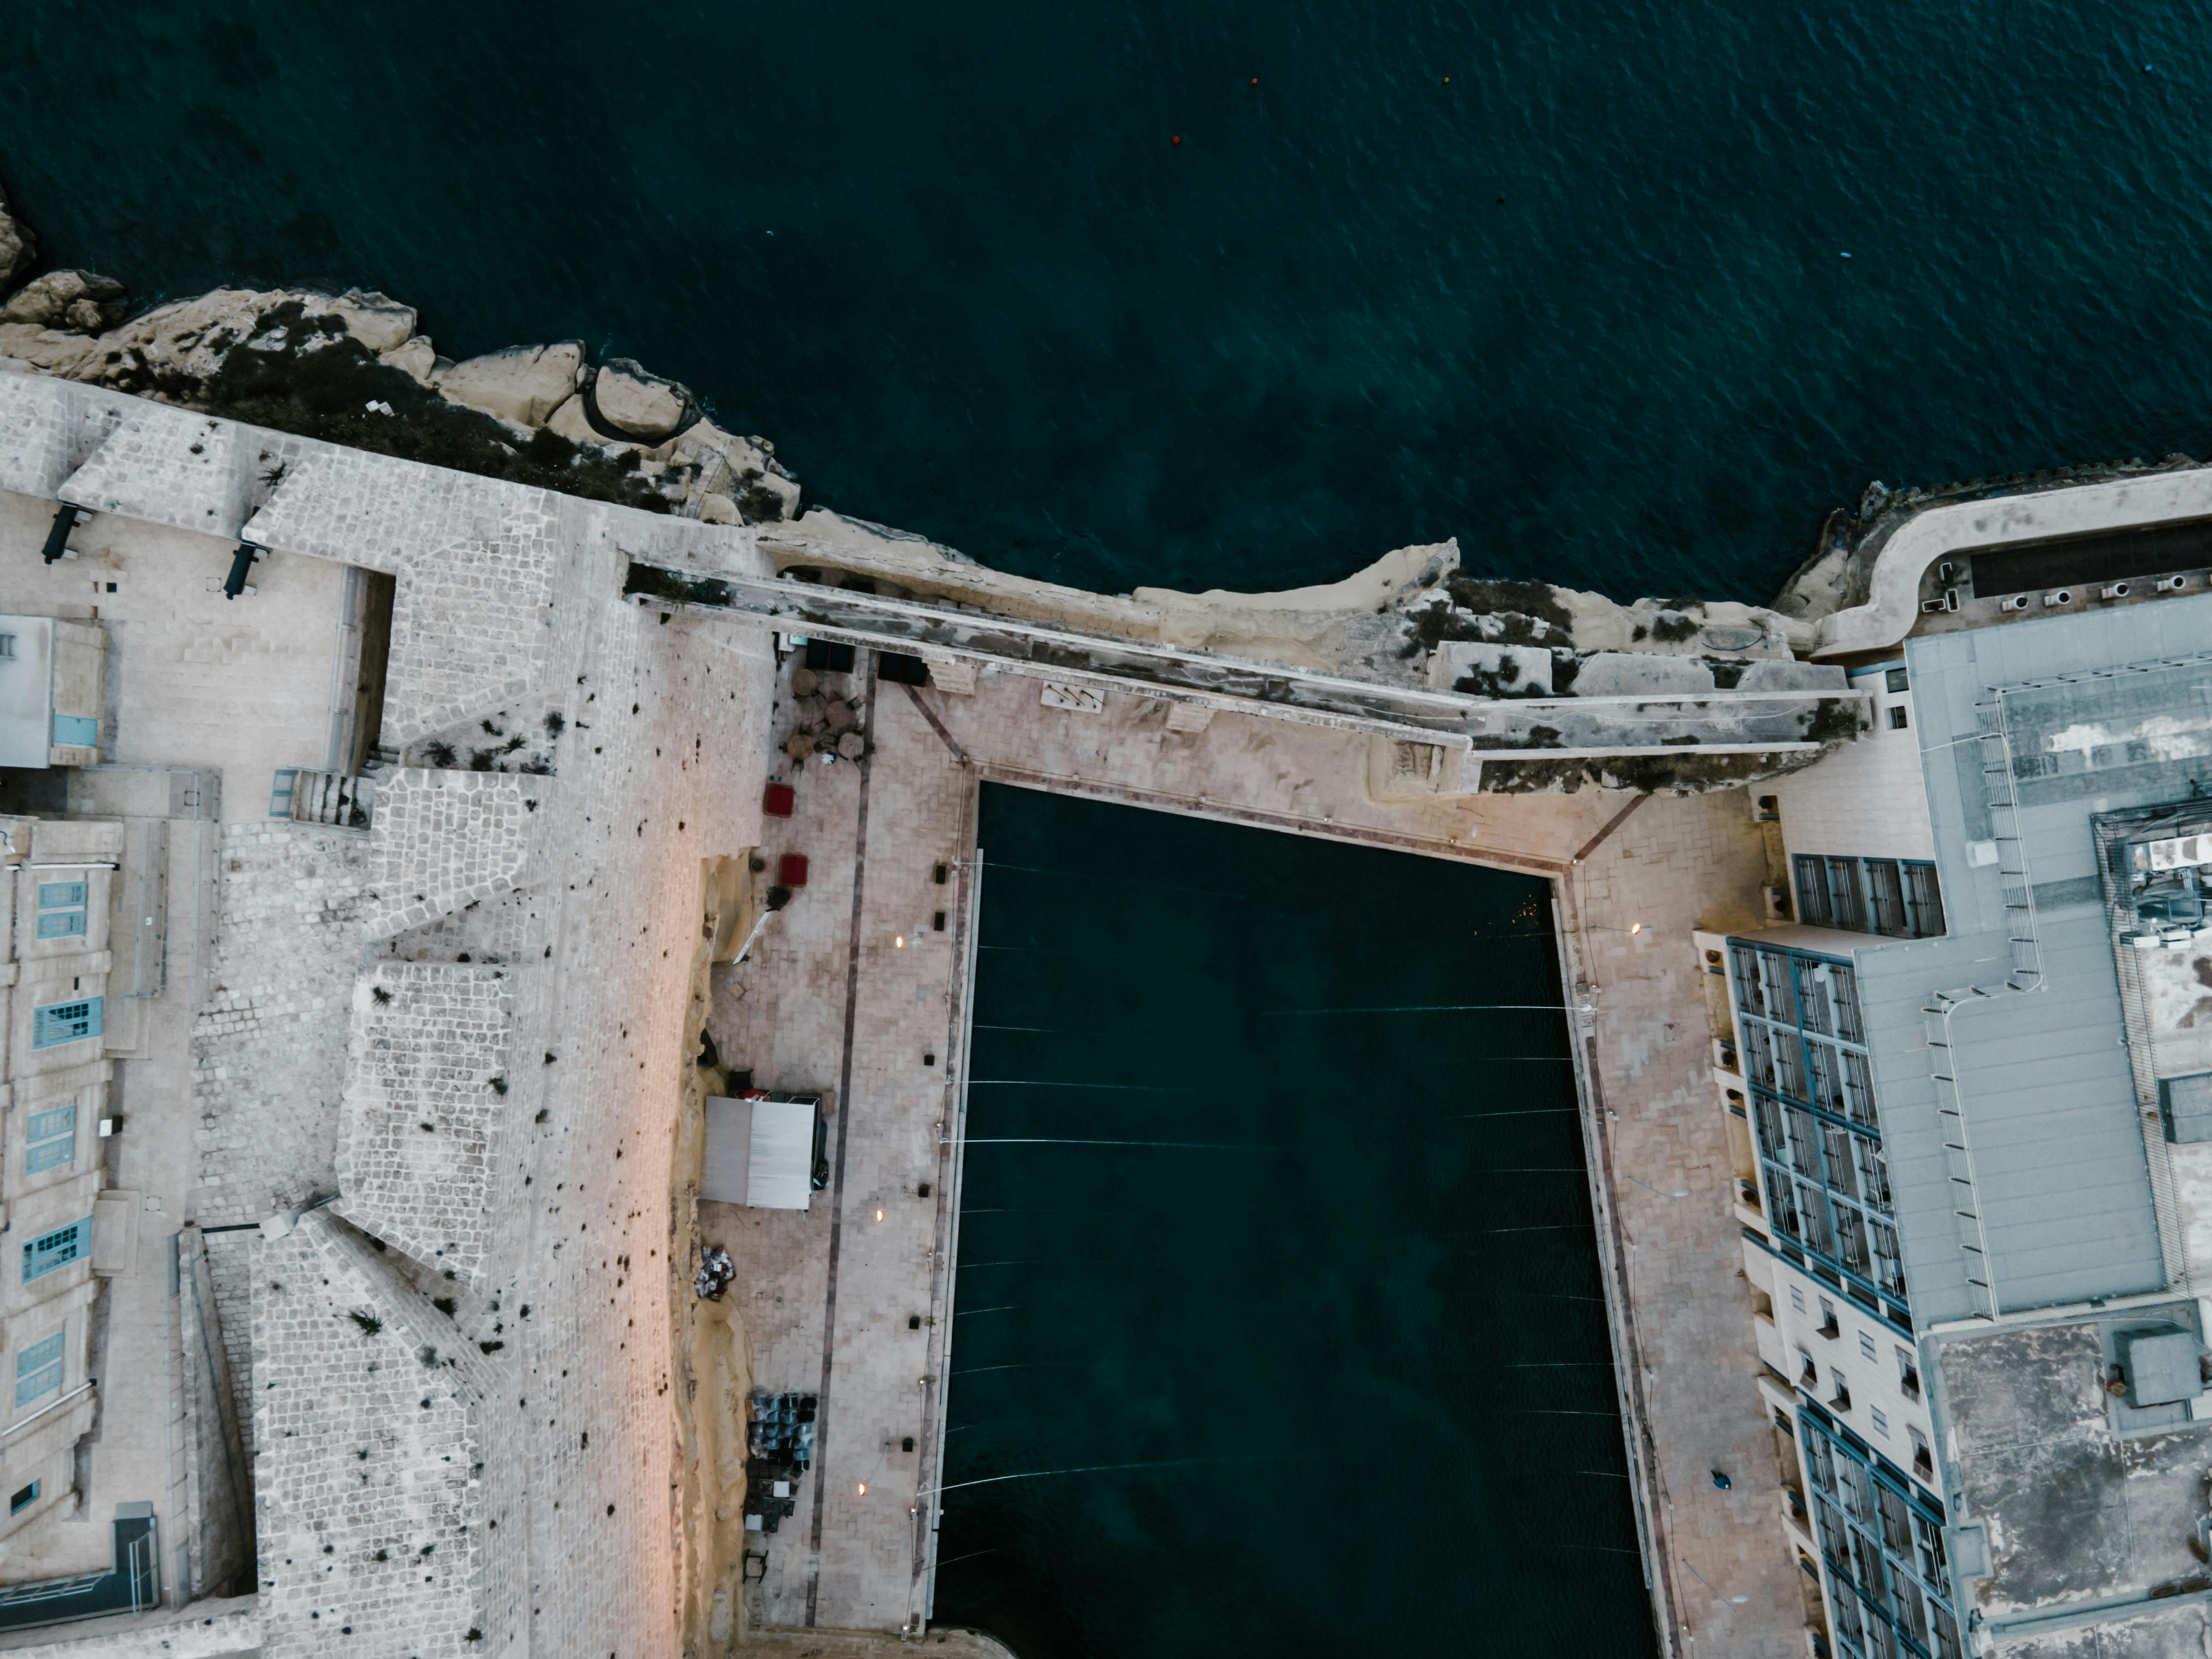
(1333, 1286)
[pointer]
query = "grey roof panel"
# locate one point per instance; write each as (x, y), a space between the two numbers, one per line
(2063, 1184)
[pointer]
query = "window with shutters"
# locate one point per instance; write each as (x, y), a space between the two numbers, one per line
(56, 1249)
(1885, 886)
(61, 909)
(1812, 907)
(1881, 1542)
(66, 1022)
(1846, 900)
(1898, 897)
(49, 1140)
(38, 1370)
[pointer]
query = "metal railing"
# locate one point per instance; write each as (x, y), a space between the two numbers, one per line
(1959, 1147)
(2001, 787)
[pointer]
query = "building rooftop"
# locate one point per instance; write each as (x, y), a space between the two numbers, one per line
(2085, 1510)
(2063, 1191)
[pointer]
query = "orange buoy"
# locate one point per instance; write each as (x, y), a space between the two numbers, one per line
(1177, 139)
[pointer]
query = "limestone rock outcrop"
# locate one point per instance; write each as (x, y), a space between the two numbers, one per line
(49, 350)
(18, 247)
(639, 401)
(266, 355)
(377, 321)
(80, 300)
(523, 383)
(416, 358)
(189, 340)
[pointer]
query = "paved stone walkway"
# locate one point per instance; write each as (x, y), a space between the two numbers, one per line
(845, 1300)
(1674, 864)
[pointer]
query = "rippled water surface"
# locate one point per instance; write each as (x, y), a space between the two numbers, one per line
(1333, 1289)
(1561, 280)
(1566, 281)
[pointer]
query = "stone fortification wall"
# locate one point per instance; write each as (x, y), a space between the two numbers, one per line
(566, 1181)
(269, 1049)
(468, 632)
(171, 467)
(444, 840)
(474, 560)
(229, 1629)
(369, 1460)
(426, 1086)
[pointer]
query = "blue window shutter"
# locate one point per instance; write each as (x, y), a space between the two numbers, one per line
(38, 1370)
(67, 1022)
(82, 729)
(58, 1249)
(61, 909)
(50, 1141)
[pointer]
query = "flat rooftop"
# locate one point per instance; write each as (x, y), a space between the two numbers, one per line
(2072, 1182)
(2089, 1510)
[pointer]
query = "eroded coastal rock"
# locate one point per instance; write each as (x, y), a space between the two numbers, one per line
(18, 247)
(1840, 572)
(355, 370)
(522, 384)
(78, 300)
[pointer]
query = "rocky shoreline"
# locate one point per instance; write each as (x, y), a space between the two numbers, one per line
(353, 368)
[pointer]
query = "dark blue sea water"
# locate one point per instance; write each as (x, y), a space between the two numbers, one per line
(1349, 1318)
(1561, 279)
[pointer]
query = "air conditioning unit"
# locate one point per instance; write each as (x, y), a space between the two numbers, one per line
(2113, 590)
(2013, 602)
(1777, 908)
(2059, 596)
(2171, 584)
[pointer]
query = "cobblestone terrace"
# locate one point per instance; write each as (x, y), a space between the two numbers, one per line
(502, 595)
(571, 1304)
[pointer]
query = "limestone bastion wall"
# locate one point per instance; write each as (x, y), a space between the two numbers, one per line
(370, 1501)
(442, 841)
(426, 1080)
(308, 1087)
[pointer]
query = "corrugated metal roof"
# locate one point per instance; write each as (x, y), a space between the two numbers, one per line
(2063, 1184)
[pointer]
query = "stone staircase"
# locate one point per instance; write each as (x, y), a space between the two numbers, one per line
(330, 797)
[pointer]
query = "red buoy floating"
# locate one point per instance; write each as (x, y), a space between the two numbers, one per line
(1177, 139)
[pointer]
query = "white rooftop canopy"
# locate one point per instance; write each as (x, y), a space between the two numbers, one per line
(759, 1152)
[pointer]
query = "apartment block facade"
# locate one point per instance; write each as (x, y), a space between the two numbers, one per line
(54, 905)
